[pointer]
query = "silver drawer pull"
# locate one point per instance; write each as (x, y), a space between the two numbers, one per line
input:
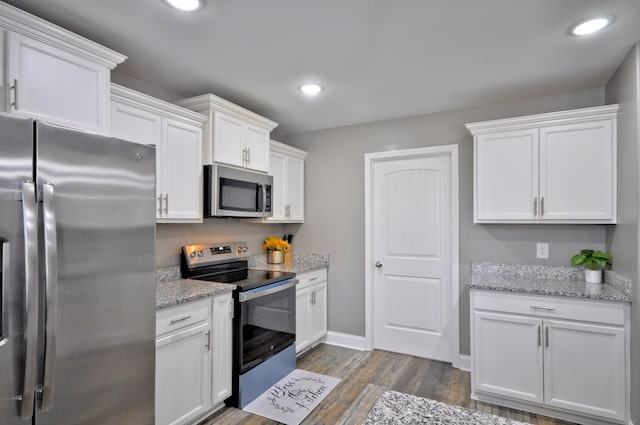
(542, 308)
(182, 319)
(312, 279)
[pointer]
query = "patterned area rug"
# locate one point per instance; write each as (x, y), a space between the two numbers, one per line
(394, 408)
(295, 396)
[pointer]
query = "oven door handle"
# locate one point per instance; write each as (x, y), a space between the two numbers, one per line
(246, 296)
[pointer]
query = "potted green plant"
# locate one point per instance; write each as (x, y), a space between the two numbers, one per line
(594, 261)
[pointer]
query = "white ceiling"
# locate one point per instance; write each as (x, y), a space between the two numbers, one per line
(378, 59)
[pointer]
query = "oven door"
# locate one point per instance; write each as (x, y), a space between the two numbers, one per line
(267, 322)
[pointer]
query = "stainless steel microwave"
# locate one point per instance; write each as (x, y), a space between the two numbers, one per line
(233, 192)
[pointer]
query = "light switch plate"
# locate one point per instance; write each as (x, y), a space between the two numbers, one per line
(542, 250)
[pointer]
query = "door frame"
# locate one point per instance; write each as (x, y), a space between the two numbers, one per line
(370, 159)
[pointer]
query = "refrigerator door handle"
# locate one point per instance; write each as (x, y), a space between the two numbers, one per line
(51, 293)
(4, 332)
(30, 218)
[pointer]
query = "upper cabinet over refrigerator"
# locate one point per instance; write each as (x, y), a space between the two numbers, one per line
(53, 74)
(233, 135)
(558, 167)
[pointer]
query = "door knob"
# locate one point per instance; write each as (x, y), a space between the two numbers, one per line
(378, 264)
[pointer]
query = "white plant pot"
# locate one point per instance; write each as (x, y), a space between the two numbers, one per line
(593, 276)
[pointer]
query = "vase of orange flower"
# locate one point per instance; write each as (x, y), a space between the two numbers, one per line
(276, 248)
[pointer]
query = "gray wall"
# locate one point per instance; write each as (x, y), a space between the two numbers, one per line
(334, 202)
(622, 239)
(171, 237)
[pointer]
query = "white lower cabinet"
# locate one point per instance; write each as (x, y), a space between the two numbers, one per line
(560, 357)
(311, 308)
(193, 359)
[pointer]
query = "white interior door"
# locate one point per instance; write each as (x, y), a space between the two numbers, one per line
(412, 237)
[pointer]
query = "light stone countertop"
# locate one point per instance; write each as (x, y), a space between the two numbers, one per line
(548, 280)
(173, 290)
(184, 290)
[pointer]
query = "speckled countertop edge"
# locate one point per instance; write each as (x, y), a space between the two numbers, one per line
(398, 408)
(548, 280)
(184, 290)
(172, 290)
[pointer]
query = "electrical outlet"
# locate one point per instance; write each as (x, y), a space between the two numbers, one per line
(542, 250)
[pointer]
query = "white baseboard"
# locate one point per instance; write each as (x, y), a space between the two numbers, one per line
(464, 362)
(346, 340)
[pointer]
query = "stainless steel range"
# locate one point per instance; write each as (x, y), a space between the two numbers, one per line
(264, 322)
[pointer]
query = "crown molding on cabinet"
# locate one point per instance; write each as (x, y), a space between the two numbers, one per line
(206, 102)
(541, 120)
(153, 105)
(19, 21)
(287, 150)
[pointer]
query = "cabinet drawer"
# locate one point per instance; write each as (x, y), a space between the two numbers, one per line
(311, 277)
(550, 307)
(182, 316)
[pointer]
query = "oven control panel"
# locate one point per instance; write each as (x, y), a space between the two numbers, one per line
(204, 255)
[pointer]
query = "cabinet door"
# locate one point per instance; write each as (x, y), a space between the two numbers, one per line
(584, 368)
(222, 346)
(318, 312)
(181, 171)
(303, 326)
(56, 86)
(295, 189)
(257, 142)
(227, 139)
(278, 164)
(183, 383)
(576, 171)
(506, 176)
(507, 356)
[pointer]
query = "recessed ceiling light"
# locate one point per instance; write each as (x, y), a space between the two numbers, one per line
(186, 5)
(591, 25)
(310, 89)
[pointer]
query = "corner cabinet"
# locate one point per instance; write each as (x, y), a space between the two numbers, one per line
(177, 134)
(233, 135)
(54, 75)
(311, 308)
(193, 359)
(559, 357)
(549, 168)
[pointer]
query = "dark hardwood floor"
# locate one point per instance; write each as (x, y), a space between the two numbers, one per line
(366, 375)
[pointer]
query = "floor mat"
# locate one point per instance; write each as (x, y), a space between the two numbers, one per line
(291, 399)
(398, 408)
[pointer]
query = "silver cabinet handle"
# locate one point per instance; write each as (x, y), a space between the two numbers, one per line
(535, 207)
(546, 332)
(208, 344)
(182, 319)
(160, 204)
(378, 264)
(51, 293)
(30, 218)
(312, 279)
(248, 156)
(166, 203)
(231, 312)
(533, 307)
(539, 335)
(4, 308)
(15, 94)
(542, 206)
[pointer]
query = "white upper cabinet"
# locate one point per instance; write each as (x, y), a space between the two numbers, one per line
(234, 135)
(550, 168)
(54, 75)
(177, 134)
(286, 165)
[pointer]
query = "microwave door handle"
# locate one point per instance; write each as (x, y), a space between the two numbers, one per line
(260, 198)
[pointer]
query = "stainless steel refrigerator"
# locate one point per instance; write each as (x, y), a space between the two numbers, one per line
(77, 313)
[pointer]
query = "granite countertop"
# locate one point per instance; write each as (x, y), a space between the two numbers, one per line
(170, 293)
(172, 290)
(548, 280)
(398, 408)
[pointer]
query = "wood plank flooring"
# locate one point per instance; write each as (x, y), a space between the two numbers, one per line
(366, 375)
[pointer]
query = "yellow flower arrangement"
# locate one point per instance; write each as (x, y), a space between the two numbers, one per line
(273, 243)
